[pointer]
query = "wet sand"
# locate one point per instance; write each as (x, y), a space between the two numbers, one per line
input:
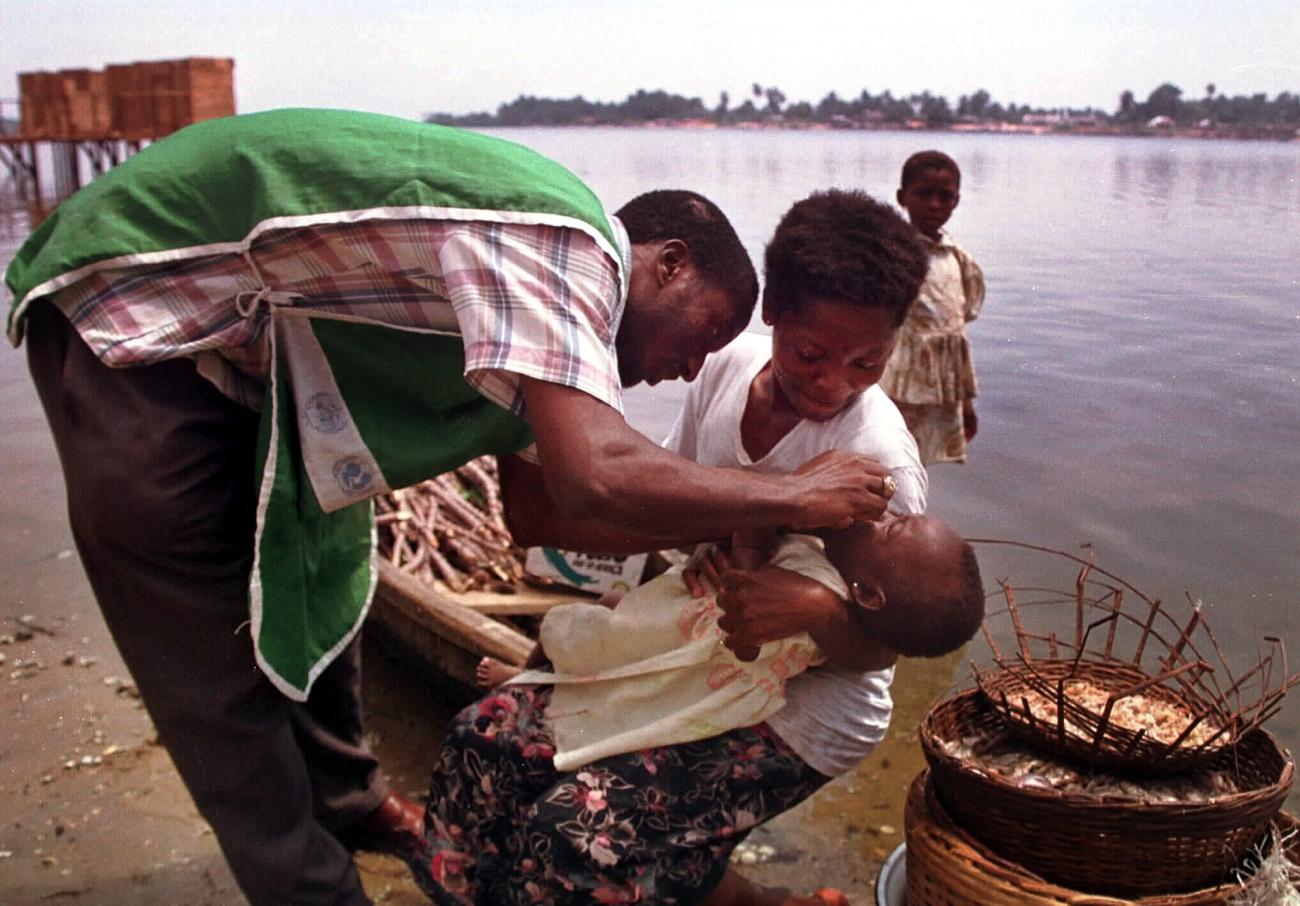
(95, 813)
(93, 810)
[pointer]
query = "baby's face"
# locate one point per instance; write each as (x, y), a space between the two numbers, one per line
(909, 557)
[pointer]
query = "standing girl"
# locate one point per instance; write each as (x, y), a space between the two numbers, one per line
(930, 375)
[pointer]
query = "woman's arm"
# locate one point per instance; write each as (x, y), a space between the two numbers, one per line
(771, 603)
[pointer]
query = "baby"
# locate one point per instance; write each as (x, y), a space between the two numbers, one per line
(653, 671)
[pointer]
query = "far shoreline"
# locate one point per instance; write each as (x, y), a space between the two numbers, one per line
(1248, 134)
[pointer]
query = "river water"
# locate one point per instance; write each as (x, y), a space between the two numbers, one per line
(1138, 354)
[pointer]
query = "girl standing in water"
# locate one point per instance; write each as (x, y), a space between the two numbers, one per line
(930, 375)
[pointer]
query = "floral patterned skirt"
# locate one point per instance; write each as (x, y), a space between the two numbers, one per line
(657, 826)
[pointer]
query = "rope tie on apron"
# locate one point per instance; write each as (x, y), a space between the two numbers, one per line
(248, 301)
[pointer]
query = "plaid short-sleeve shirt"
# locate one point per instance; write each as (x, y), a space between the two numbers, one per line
(527, 300)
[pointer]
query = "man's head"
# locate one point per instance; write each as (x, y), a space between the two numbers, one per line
(929, 190)
(692, 287)
(916, 582)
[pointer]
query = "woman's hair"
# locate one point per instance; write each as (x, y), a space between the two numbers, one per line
(710, 239)
(935, 625)
(846, 246)
(927, 160)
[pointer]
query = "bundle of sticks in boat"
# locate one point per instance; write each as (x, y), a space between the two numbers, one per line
(451, 528)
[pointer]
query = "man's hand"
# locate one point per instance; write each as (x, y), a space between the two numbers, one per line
(839, 489)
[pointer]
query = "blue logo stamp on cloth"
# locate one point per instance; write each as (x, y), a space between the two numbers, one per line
(326, 414)
(353, 475)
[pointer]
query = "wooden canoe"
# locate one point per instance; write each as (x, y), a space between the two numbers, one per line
(451, 631)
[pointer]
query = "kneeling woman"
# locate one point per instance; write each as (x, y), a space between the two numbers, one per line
(630, 770)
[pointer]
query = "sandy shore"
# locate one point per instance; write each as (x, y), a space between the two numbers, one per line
(93, 810)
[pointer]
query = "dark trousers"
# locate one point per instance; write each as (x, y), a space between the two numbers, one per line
(161, 498)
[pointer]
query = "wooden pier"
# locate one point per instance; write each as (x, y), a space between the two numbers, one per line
(79, 123)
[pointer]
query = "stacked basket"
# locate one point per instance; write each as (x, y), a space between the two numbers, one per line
(978, 836)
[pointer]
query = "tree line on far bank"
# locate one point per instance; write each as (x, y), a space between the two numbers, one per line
(1165, 106)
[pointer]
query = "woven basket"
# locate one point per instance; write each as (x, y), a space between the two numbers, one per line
(1122, 848)
(948, 867)
(1097, 628)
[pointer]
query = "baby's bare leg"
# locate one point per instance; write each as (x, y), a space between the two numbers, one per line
(491, 673)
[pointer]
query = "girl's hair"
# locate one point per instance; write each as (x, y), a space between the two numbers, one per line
(846, 246)
(715, 249)
(927, 160)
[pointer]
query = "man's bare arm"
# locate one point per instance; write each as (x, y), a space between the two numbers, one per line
(534, 519)
(597, 468)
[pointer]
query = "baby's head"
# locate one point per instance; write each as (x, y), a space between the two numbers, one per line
(842, 270)
(915, 579)
(929, 190)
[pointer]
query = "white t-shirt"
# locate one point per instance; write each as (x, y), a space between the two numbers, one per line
(833, 718)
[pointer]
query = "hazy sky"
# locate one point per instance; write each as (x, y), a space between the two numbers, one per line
(409, 58)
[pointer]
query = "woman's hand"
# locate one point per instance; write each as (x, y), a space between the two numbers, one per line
(749, 549)
(770, 603)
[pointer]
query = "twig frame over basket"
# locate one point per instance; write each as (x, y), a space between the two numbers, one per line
(1126, 687)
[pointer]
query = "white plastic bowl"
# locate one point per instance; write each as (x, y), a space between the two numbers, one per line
(891, 883)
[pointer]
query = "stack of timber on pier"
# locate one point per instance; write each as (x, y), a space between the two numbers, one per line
(71, 104)
(106, 114)
(131, 102)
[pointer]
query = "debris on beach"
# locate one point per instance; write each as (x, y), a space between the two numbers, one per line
(753, 854)
(30, 625)
(26, 668)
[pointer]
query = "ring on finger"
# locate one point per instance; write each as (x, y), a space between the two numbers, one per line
(888, 486)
